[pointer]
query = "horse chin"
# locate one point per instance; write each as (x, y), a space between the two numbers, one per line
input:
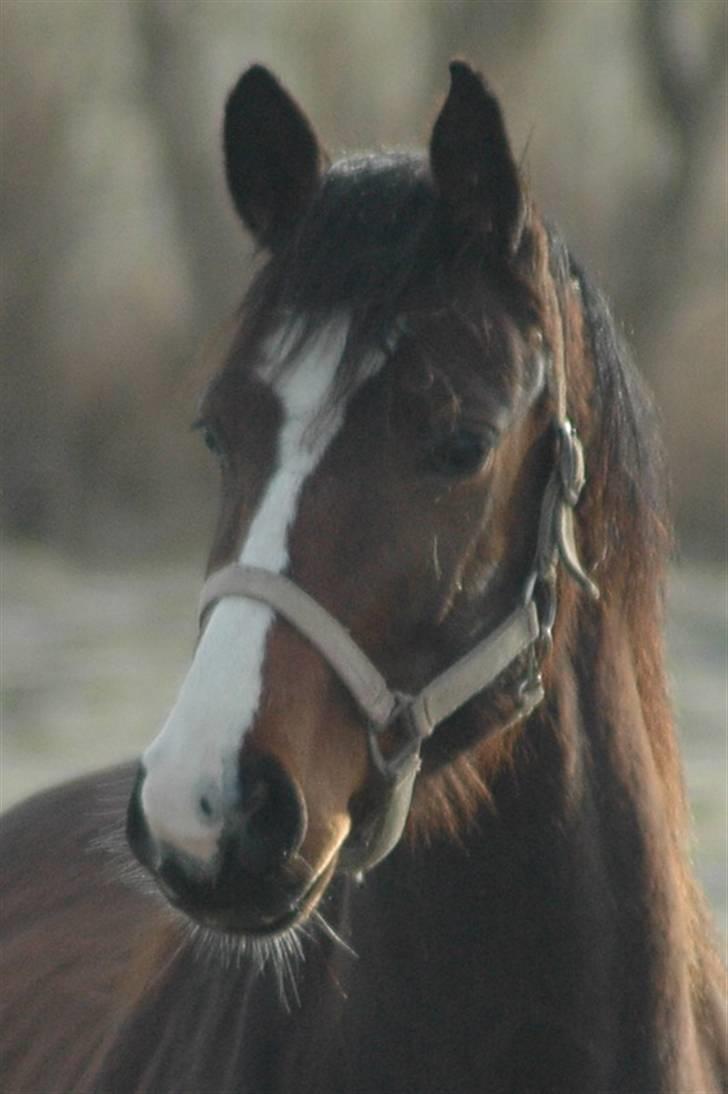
(244, 923)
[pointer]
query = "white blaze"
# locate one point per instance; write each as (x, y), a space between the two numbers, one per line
(195, 754)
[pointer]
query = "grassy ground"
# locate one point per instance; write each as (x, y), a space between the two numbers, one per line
(91, 663)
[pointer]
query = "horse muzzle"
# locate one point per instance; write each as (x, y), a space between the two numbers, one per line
(256, 882)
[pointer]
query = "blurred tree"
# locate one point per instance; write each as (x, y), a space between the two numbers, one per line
(37, 228)
(171, 51)
(683, 51)
(495, 25)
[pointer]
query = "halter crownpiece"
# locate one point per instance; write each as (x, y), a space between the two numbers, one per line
(411, 719)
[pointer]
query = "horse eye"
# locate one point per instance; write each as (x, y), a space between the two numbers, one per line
(460, 453)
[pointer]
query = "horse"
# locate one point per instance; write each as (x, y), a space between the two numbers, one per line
(416, 821)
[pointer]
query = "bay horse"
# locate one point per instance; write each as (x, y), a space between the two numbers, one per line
(416, 821)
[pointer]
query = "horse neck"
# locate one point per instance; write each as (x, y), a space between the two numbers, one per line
(620, 806)
(571, 891)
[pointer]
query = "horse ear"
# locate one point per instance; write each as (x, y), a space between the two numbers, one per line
(272, 156)
(472, 163)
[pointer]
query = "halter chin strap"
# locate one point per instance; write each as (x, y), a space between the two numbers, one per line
(398, 723)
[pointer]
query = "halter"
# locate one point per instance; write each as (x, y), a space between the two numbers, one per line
(397, 723)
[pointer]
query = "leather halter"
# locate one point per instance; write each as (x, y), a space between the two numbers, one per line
(411, 719)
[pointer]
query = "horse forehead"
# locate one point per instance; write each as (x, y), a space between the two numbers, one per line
(304, 378)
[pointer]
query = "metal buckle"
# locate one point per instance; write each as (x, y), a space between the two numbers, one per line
(572, 473)
(546, 604)
(399, 763)
(571, 462)
(530, 690)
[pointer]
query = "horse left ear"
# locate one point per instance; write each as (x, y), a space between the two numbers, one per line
(273, 159)
(472, 164)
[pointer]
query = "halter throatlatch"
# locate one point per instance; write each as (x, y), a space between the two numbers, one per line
(397, 723)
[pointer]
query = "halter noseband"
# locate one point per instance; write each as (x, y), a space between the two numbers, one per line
(411, 719)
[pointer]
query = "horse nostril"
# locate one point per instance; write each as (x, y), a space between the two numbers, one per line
(257, 796)
(210, 808)
(271, 816)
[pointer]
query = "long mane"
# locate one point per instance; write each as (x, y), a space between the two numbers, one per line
(626, 520)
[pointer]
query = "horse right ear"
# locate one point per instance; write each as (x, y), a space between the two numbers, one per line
(272, 156)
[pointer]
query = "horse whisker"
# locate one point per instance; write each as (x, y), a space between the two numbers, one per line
(320, 920)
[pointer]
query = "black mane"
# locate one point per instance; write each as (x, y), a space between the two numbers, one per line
(369, 237)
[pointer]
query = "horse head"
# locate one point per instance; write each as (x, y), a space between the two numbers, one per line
(399, 473)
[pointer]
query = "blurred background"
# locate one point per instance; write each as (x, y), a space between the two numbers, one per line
(122, 262)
